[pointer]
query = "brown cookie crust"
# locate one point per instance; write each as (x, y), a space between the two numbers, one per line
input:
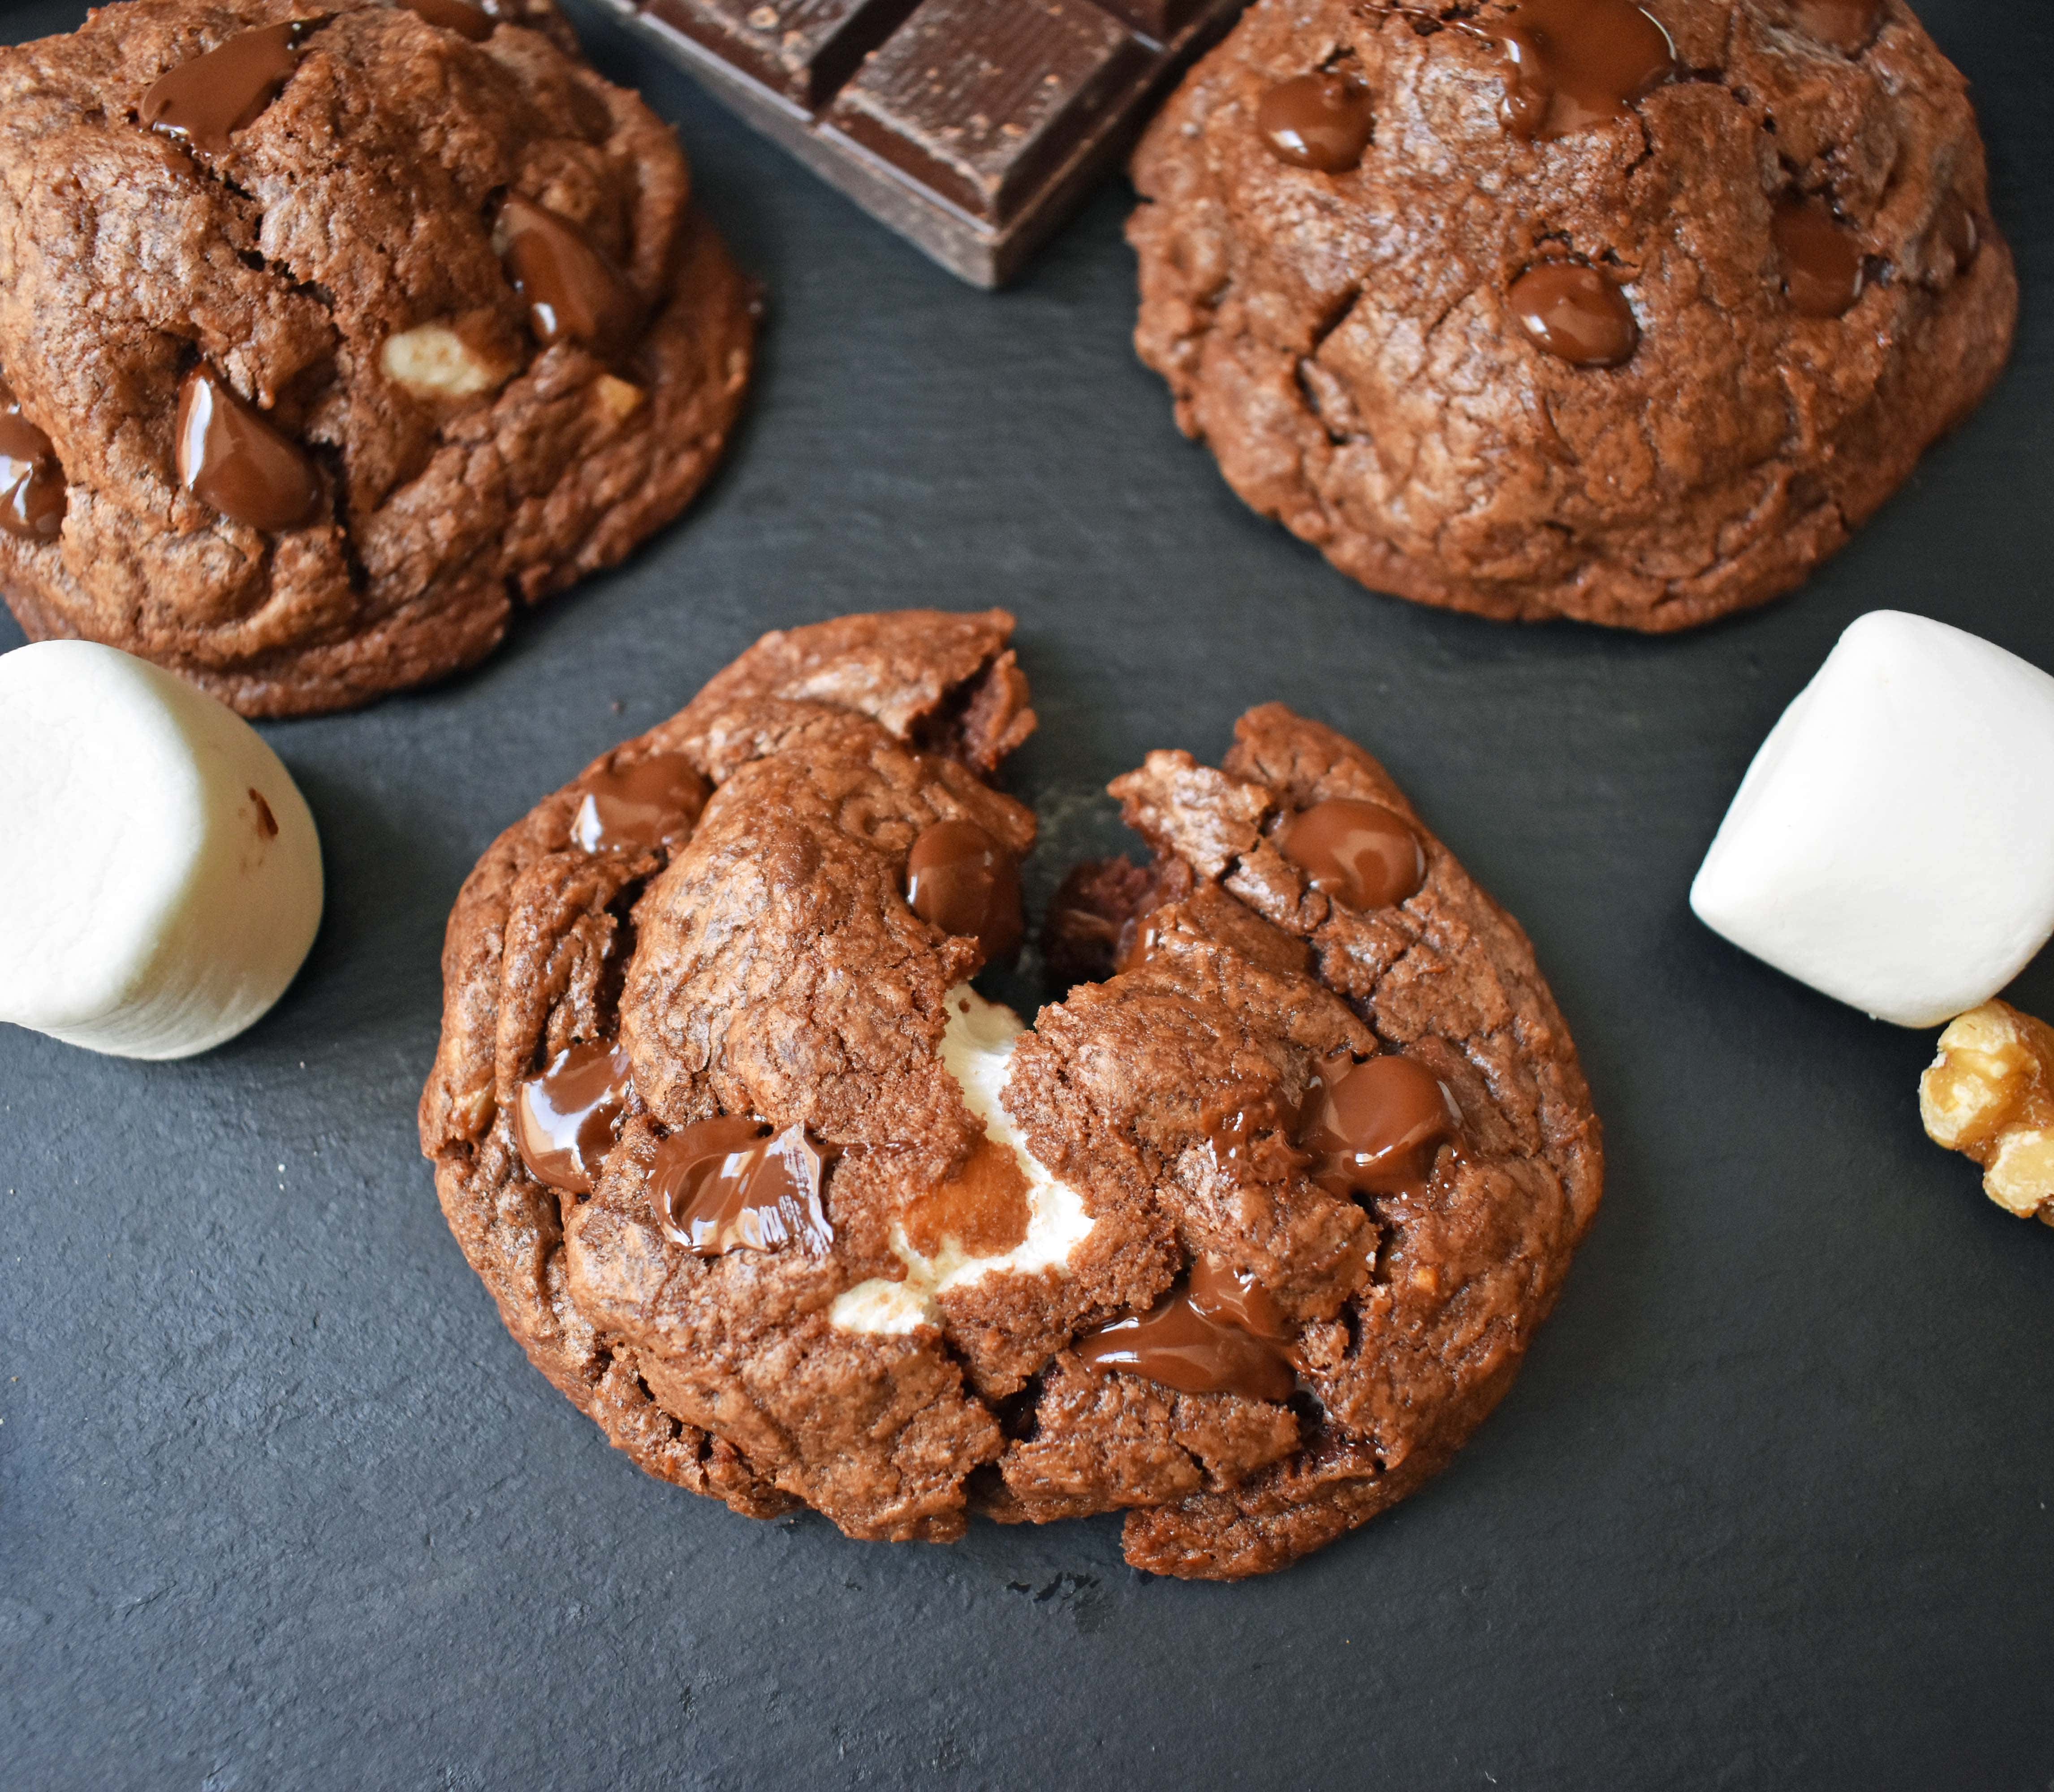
(771, 966)
(532, 962)
(1344, 344)
(355, 207)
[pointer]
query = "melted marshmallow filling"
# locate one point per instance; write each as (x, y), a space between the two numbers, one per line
(977, 1050)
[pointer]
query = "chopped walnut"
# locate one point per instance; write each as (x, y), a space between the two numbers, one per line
(1990, 1095)
(618, 398)
(432, 360)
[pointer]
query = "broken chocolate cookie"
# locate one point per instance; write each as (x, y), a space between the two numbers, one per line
(333, 334)
(1580, 307)
(1243, 1237)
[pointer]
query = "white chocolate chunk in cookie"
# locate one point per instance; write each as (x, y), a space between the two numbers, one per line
(432, 360)
(163, 878)
(1892, 845)
(977, 1050)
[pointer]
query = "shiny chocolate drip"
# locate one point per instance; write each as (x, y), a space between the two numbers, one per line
(960, 880)
(654, 803)
(1846, 26)
(718, 1186)
(1195, 1348)
(230, 456)
(1316, 121)
(32, 484)
(203, 101)
(1577, 63)
(1359, 853)
(564, 1119)
(572, 292)
(1822, 258)
(1373, 1129)
(1955, 230)
(458, 16)
(1574, 312)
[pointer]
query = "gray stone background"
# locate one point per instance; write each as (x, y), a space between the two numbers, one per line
(282, 1506)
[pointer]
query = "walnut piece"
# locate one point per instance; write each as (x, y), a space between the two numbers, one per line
(1990, 1095)
(617, 398)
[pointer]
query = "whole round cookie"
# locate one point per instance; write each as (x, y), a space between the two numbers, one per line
(328, 335)
(1243, 1237)
(1578, 308)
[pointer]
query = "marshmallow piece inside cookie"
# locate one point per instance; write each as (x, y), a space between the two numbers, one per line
(1892, 845)
(977, 1050)
(164, 878)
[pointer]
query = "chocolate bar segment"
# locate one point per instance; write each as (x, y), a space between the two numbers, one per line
(1159, 19)
(970, 126)
(977, 100)
(803, 48)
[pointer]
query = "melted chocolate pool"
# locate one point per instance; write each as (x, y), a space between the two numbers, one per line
(719, 1185)
(203, 101)
(1217, 1334)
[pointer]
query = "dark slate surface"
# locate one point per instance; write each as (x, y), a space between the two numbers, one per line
(282, 1506)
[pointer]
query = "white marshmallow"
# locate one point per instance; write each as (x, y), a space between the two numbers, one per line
(1892, 844)
(977, 1050)
(162, 879)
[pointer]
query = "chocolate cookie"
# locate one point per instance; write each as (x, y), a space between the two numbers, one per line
(1244, 1238)
(1572, 307)
(330, 335)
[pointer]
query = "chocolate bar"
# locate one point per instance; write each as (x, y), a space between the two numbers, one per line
(972, 128)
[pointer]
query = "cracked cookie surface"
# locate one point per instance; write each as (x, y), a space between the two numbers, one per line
(1110, 1263)
(340, 269)
(1782, 223)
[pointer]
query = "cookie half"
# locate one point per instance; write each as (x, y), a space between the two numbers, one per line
(332, 336)
(1243, 1237)
(1572, 308)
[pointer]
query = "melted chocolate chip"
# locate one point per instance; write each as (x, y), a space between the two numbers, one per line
(231, 456)
(204, 100)
(32, 484)
(654, 803)
(1251, 1135)
(1374, 1128)
(1577, 63)
(1822, 258)
(572, 292)
(1847, 25)
(563, 1119)
(1359, 853)
(719, 1186)
(1234, 1297)
(1178, 1345)
(1316, 121)
(458, 16)
(960, 880)
(1574, 312)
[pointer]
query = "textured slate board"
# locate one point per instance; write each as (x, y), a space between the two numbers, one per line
(281, 1505)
